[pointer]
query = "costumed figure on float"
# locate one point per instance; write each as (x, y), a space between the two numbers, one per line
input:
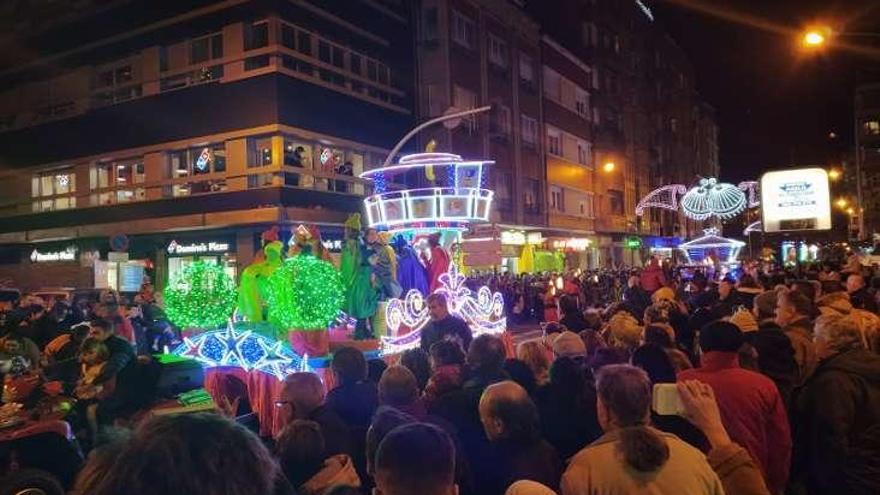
(361, 297)
(252, 293)
(411, 274)
(436, 261)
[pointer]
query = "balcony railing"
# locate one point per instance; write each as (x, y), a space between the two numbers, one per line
(284, 177)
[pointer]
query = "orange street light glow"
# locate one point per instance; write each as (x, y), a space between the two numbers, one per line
(842, 203)
(813, 38)
(608, 167)
(834, 174)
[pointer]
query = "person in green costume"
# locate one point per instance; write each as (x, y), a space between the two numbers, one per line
(361, 296)
(252, 292)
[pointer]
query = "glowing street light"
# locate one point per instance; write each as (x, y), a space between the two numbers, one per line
(814, 38)
(608, 167)
(834, 174)
(841, 203)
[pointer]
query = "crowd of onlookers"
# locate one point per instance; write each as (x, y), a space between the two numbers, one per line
(88, 347)
(763, 383)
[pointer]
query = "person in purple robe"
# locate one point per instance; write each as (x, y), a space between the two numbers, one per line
(411, 274)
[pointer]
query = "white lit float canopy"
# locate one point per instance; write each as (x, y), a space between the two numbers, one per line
(452, 197)
(699, 249)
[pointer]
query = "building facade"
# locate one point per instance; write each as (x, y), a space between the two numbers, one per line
(648, 126)
(472, 53)
(139, 145)
(867, 161)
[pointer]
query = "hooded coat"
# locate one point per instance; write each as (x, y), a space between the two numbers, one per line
(837, 425)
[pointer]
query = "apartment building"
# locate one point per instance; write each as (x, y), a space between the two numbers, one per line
(867, 161)
(140, 138)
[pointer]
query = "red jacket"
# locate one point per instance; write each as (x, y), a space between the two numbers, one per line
(652, 278)
(752, 412)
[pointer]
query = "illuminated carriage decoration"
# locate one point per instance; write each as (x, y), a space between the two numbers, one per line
(453, 195)
(450, 195)
(701, 249)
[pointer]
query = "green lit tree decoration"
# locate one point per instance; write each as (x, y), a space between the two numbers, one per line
(202, 296)
(305, 293)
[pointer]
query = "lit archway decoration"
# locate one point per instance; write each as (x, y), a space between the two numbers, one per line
(665, 197)
(712, 198)
(755, 226)
(709, 198)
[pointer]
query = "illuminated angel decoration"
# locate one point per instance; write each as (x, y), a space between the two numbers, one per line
(709, 198)
(483, 313)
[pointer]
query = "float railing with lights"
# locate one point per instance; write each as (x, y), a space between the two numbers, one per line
(456, 199)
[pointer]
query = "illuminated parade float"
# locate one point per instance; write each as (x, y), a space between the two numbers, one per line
(291, 303)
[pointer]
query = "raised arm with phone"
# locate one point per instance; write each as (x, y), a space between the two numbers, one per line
(735, 467)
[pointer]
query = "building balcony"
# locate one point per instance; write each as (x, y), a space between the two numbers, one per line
(195, 201)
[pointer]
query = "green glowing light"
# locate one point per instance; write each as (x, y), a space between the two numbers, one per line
(202, 296)
(305, 293)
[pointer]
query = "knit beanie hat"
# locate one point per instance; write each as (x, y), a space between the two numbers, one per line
(721, 336)
(569, 344)
(744, 320)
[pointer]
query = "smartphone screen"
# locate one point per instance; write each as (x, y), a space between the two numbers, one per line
(666, 400)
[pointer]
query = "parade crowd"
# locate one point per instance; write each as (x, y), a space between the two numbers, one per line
(763, 383)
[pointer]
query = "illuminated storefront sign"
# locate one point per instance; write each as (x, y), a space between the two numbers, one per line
(575, 244)
(68, 254)
(197, 247)
(518, 238)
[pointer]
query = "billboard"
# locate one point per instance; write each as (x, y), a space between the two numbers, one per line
(795, 199)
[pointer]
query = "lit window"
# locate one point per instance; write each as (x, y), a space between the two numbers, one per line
(871, 127)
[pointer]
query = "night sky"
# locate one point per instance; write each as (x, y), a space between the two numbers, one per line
(776, 105)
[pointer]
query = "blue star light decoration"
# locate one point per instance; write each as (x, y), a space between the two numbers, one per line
(228, 347)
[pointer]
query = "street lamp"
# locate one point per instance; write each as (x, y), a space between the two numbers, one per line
(834, 174)
(814, 38)
(608, 167)
(841, 203)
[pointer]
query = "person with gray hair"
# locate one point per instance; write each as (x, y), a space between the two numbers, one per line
(837, 413)
(632, 456)
(303, 397)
